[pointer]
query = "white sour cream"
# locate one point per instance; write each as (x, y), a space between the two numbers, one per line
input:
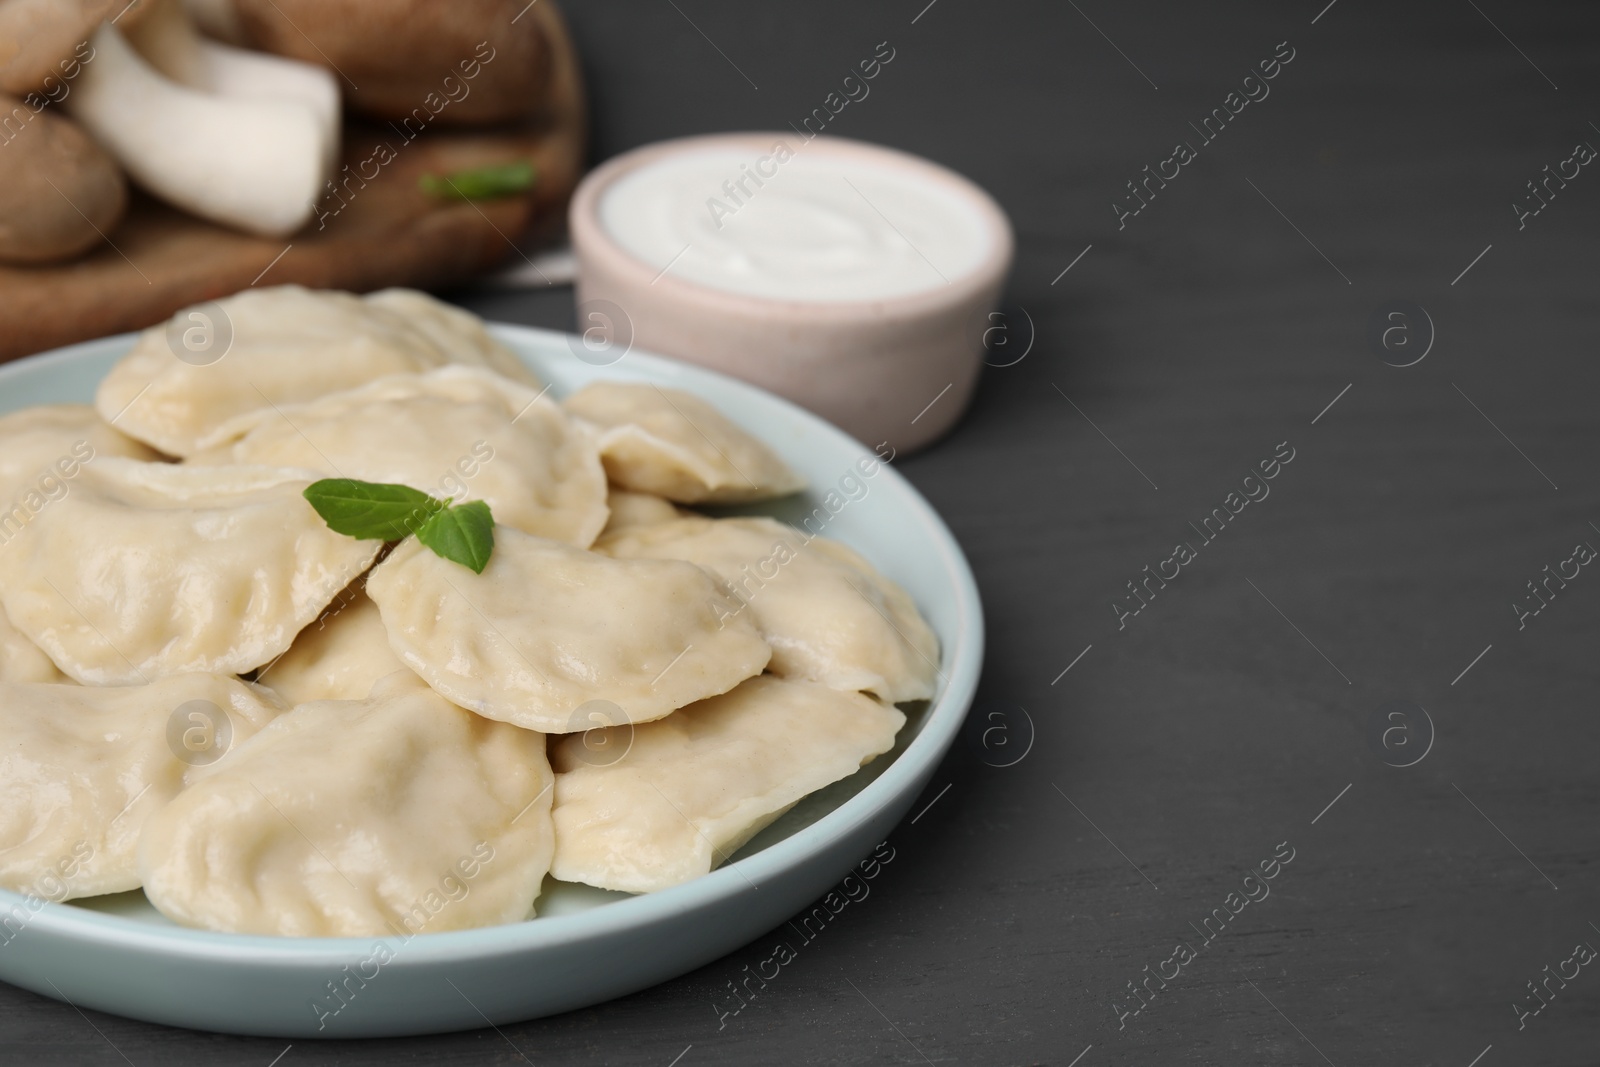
(800, 224)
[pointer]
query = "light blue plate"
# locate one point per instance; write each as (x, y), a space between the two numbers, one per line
(118, 955)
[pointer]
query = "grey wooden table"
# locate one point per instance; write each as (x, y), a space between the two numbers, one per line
(1347, 688)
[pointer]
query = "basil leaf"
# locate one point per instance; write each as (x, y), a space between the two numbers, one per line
(369, 511)
(463, 534)
(481, 183)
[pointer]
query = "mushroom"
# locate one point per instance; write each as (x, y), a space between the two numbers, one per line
(253, 164)
(167, 38)
(218, 20)
(42, 41)
(59, 191)
(467, 62)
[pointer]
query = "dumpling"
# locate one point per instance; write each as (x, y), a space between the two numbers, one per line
(21, 660)
(82, 768)
(637, 509)
(42, 451)
(461, 432)
(828, 615)
(673, 799)
(459, 334)
(397, 814)
(288, 345)
(43, 448)
(150, 569)
(547, 628)
(338, 657)
(673, 444)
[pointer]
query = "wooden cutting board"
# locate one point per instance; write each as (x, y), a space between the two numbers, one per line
(388, 233)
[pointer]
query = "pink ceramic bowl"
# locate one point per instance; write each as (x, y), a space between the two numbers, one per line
(899, 369)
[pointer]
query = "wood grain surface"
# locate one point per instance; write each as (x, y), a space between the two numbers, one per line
(1246, 705)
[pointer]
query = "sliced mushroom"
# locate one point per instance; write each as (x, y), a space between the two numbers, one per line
(169, 40)
(59, 191)
(253, 164)
(467, 62)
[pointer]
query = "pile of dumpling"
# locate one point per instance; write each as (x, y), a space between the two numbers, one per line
(273, 728)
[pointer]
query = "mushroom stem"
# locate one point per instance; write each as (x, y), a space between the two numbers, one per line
(252, 164)
(170, 42)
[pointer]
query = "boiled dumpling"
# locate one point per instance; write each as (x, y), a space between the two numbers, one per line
(828, 615)
(673, 444)
(667, 801)
(338, 657)
(150, 569)
(397, 814)
(288, 345)
(21, 660)
(42, 449)
(547, 628)
(459, 334)
(461, 432)
(637, 509)
(82, 768)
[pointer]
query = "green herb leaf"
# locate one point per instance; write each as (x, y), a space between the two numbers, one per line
(481, 183)
(369, 511)
(463, 534)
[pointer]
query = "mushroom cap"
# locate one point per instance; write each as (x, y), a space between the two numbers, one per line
(394, 55)
(59, 191)
(39, 38)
